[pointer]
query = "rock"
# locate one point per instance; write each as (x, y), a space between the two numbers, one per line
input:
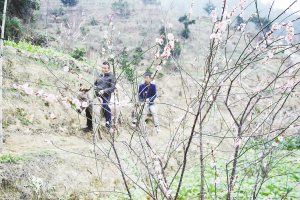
(11, 49)
(45, 59)
(27, 131)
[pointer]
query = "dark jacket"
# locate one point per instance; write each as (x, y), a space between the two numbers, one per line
(105, 82)
(147, 92)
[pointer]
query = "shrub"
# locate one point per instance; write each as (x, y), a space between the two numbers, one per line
(58, 31)
(13, 29)
(239, 20)
(122, 7)
(151, 2)
(66, 21)
(137, 56)
(84, 30)
(22, 9)
(40, 38)
(70, 3)
(186, 21)
(209, 7)
(94, 22)
(262, 20)
(79, 53)
(58, 12)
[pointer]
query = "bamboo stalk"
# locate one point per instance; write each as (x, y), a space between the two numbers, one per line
(1, 63)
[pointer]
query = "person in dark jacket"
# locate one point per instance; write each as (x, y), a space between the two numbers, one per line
(104, 86)
(147, 93)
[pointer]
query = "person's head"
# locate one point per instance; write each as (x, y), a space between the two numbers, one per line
(147, 78)
(105, 67)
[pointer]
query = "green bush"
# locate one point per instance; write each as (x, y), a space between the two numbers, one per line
(66, 21)
(239, 20)
(186, 21)
(94, 22)
(58, 12)
(277, 182)
(122, 7)
(262, 20)
(209, 7)
(13, 29)
(40, 38)
(9, 159)
(84, 30)
(137, 56)
(79, 53)
(58, 31)
(22, 9)
(70, 3)
(151, 2)
(27, 46)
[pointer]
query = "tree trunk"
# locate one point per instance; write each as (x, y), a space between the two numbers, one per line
(1, 63)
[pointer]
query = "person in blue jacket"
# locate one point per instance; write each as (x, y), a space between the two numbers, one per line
(147, 93)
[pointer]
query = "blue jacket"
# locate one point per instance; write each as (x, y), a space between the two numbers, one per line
(146, 92)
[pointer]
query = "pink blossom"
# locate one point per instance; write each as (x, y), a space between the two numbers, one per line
(67, 104)
(158, 67)
(157, 168)
(170, 25)
(243, 26)
(159, 41)
(270, 54)
(20, 87)
(160, 176)
(25, 86)
(170, 36)
(75, 101)
(15, 86)
(66, 68)
(223, 25)
(52, 116)
(51, 98)
(218, 180)
(84, 104)
(168, 194)
(212, 163)
(39, 93)
(157, 56)
(28, 91)
(280, 138)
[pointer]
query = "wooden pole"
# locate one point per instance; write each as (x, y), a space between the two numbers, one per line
(1, 63)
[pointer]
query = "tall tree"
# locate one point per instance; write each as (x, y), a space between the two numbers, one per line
(70, 3)
(22, 9)
(186, 31)
(1, 62)
(209, 7)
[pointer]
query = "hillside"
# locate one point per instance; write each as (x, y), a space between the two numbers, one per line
(229, 110)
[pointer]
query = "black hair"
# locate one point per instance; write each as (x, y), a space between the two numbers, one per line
(147, 74)
(106, 63)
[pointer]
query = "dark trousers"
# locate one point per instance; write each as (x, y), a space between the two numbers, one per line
(107, 113)
(89, 118)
